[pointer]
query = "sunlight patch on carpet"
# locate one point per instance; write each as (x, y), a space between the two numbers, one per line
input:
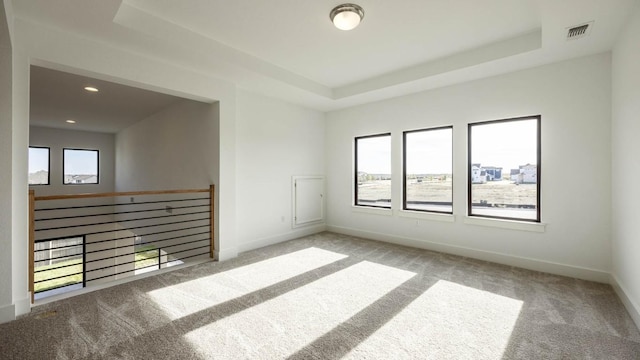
(448, 321)
(192, 296)
(283, 325)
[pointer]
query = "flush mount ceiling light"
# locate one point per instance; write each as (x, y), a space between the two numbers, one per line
(346, 16)
(70, 121)
(91, 89)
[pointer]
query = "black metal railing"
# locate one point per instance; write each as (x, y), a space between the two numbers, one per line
(82, 240)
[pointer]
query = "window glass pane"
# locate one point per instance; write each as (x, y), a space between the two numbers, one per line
(504, 169)
(373, 169)
(428, 170)
(38, 166)
(80, 166)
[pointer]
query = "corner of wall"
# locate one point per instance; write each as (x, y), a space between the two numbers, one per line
(629, 304)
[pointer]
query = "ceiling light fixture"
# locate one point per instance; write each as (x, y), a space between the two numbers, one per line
(70, 121)
(91, 89)
(346, 16)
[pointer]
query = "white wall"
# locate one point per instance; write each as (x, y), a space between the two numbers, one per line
(626, 166)
(6, 299)
(58, 139)
(176, 148)
(60, 50)
(573, 98)
(275, 141)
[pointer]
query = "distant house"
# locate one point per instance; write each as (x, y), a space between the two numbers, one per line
(493, 173)
(81, 179)
(516, 176)
(478, 174)
(526, 174)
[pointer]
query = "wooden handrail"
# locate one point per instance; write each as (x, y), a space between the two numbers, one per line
(32, 205)
(116, 194)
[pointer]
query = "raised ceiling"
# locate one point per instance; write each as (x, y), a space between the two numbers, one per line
(289, 49)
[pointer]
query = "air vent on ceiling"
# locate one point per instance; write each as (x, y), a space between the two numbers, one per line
(579, 31)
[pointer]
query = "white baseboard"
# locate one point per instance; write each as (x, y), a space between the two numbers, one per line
(632, 306)
(271, 240)
(517, 261)
(23, 306)
(7, 313)
(226, 254)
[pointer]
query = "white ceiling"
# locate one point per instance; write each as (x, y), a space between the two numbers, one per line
(290, 50)
(57, 96)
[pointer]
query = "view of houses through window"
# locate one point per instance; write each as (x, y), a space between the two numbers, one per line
(38, 165)
(80, 166)
(428, 170)
(373, 170)
(503, 168)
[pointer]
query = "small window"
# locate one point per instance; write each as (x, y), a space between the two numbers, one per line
(504, 169)
(428, 170)
(39, 165)
(373, 170)
(80, 166)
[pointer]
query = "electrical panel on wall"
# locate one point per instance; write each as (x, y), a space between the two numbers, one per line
(308, 200)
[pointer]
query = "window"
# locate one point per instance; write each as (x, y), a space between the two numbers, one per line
(427, 181)
(38, 165)
(504, 169)
(373, 171)
(80, 166)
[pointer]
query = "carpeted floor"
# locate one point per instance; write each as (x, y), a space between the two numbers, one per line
(330, 296)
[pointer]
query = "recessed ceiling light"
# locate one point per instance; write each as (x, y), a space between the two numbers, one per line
(70, 121)
(91, 89)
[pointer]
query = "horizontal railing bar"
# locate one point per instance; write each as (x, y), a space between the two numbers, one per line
(56, 248)
(112, 266)
(184, 243)
(58, 238)
(57, 277)
(122, 272)
(58, 287)
(57, 267)
(60, 257)
(127, 237)
(175, 238)
(146, 243)
(122, 212)
(119, 204)
(117, 194)
(181, 251)
(135, 261)
(121, 221)
(102, 277)
(138, 227)
(186, 257)
(154, 265)
(130, 253)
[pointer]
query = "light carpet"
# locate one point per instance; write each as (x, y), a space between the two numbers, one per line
(330, 296)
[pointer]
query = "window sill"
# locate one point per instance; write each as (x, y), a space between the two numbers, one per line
(421, 215)
(372, 210)
(506, 224)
